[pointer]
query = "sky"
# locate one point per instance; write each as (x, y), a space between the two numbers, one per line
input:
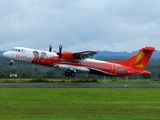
(80, 25)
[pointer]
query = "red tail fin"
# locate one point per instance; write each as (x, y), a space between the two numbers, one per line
(140, 60)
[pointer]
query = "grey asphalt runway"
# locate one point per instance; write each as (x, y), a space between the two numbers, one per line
(75, 85)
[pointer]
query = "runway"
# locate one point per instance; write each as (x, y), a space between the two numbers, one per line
(75, 85)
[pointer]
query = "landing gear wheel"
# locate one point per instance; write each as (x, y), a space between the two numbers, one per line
(67, 74)
(11, 63)
(72, 74)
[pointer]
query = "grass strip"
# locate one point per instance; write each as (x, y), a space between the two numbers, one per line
(79, 103)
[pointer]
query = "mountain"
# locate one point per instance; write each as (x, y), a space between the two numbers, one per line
(121, 55)
(1, 53)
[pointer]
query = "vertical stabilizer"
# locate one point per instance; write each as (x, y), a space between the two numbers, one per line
(140, 60)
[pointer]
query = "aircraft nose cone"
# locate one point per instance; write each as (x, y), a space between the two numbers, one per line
(5, 54)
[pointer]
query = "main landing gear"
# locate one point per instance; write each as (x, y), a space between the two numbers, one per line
(71, 73)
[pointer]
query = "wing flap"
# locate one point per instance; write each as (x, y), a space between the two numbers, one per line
(84, 54)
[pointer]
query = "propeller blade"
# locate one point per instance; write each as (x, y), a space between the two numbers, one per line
(50, 48)
(60, 50)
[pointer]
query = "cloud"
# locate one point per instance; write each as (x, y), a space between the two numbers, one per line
(80, 24)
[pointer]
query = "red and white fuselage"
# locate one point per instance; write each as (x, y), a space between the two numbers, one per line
(73, 63)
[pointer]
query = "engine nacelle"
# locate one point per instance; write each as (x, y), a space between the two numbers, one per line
(67, 55)
(65, 67)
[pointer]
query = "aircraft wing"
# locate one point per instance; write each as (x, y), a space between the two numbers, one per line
(84, 54)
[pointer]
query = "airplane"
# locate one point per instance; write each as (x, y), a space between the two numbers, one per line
(80, 62)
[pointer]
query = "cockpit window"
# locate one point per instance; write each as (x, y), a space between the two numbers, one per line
(17, 50)
(13, 49)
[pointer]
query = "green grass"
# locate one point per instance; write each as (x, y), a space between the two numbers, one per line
(81, 80)
(79, 103)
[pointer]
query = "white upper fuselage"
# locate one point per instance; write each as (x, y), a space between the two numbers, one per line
(25, 54)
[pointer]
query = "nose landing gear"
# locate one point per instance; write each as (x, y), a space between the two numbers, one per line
(11, 62)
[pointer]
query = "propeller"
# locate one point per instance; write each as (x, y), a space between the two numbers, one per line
(60, 51)
(50, 48)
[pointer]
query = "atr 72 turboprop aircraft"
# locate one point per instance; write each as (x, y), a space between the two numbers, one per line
(80, 62)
